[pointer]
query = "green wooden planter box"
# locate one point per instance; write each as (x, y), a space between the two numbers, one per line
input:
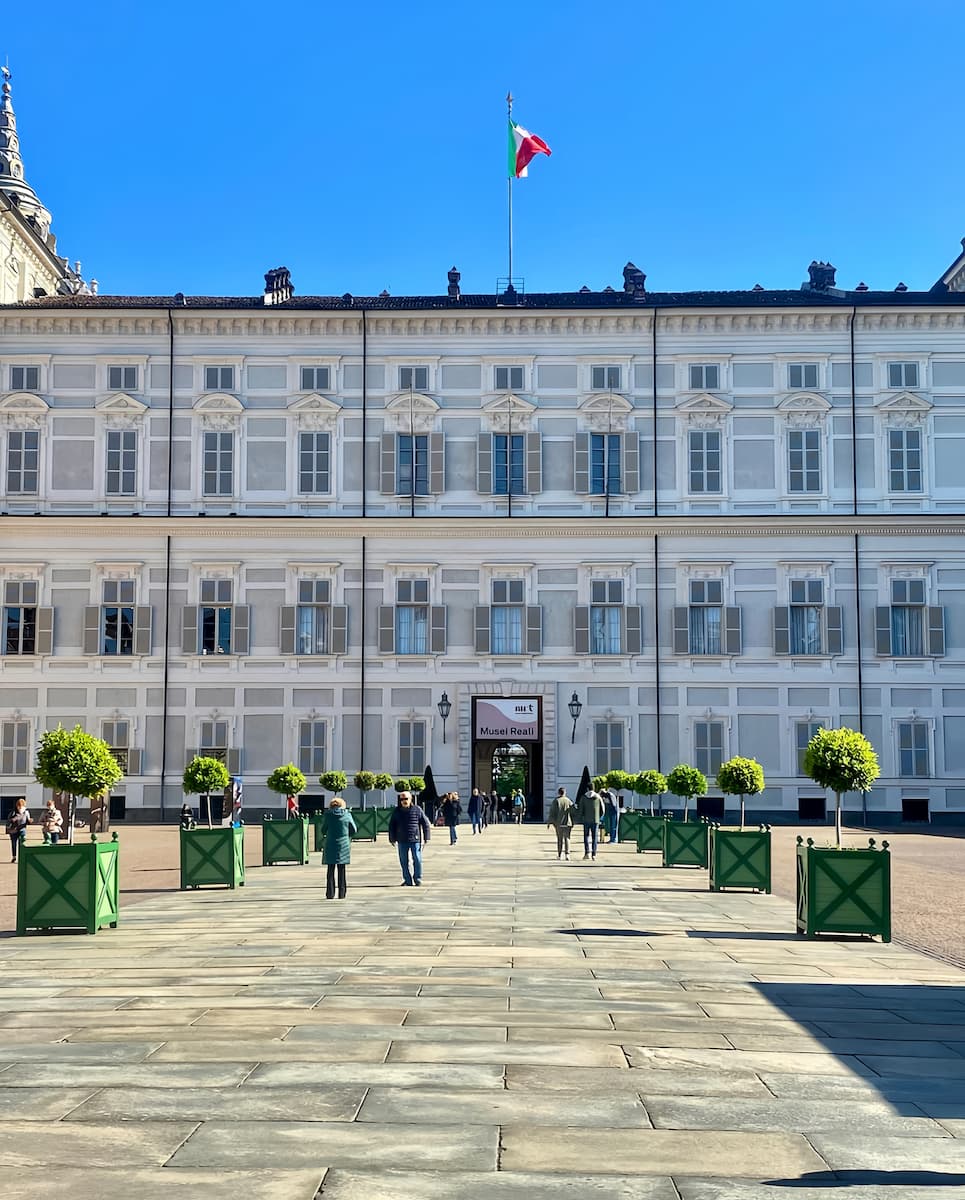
(367, 824)
(284, 842)
(213, 856)
(740, 858)
(844, 891)
(383, 817)
(67, 887)
(650, 833)
(628, 825)
(685, 844)
(319, 838)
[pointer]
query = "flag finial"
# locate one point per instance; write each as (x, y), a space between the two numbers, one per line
(509, 100)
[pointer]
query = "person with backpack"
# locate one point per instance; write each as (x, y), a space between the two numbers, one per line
(560, 818)
(590, 814)
(519, 806)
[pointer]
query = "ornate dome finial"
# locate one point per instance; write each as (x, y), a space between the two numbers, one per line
(12, 181)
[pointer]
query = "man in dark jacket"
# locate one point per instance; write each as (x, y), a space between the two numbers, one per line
(590, 814)
(451, 810)
(408, 829)
(476, 811)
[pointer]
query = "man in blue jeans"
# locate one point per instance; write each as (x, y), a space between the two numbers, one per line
(590, 814)
(408, 828)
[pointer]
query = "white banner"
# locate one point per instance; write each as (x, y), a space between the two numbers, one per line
(517, 718)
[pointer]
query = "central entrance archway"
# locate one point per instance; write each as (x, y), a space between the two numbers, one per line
(507, 749)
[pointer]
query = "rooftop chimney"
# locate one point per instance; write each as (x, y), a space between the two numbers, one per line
(821, 275)
(278, 286)
(454, 276)
(635, 283)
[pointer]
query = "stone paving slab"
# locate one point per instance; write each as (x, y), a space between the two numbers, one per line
(136, 1144)
(205, 1104)
(96, 1184)
(804, 1116)
(341, 1184)
(843, 1152)
(825, 1187)
(494, 1107)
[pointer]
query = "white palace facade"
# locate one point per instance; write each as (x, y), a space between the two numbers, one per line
(283, 528)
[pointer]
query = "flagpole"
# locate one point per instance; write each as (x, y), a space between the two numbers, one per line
(509, 184)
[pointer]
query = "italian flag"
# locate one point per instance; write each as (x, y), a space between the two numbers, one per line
(523, 148)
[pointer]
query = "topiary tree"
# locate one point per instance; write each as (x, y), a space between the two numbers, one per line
(649, 783)
(77, 764)
(842, 760)
(289, 782)
(741, 777)
(416, 785)
(203, 776)
(401, 785)
(598, 782)
(686, 782)
(365, 782)
(334, 781)
(383, 781)
(617, 781)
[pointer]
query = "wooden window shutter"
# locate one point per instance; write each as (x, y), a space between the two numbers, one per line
(386, 628)
(481, 628)
(534, 464)
(484, 464)
(732, 631)
(437, 463)
(143, 625)
(534, 629)
(92, 629)
(936, 631)
(834, 624)
(44, 640)
(134, 760)
(286, 637)
(581, 465)
(387, 464)
(581, 629)
(633, 629)
(782, 629)
(631, 462)
(240, 628)
(681, 630)
(189, 629)
(437, 629)
(883, 630)
(338, 629)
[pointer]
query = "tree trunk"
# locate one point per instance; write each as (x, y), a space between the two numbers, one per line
(71, 804)
(686, 805)
(742, 812)
(837, 818)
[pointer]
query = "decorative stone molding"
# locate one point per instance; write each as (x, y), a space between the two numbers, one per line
(606, 412)
(704, 411)
(219, 411)
(23, 410)
(315, 412)
(508, 413)
(410, 412)
(904, 411)
(804, 410)
(121, 411)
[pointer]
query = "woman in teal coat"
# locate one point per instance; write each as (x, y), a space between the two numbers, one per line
(337, 851)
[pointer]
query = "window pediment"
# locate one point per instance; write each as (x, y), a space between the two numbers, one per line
(23, 410)
(704, 410)
(219, 410)
(905, 409)
(606, 412)
(804, 410)
(509, 412)
(315, 412)
(120, 409)
(410, 412)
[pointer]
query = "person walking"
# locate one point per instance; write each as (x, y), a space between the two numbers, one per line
(560, 818)
(408, 829)
(610, 814)
(519, 806)
(337, 828)
(589, 814)
(476, 811)
(451, 810)
(17, 824)
(51, 822)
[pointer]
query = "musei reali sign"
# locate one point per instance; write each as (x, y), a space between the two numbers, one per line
(516, 718)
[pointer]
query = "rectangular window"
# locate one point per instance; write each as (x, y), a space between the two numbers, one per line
(218, 464)
(20, 617)
(117, 736)
(215, 616)
(803, 732)
(315, 379)
(121, 462)
(507, 615)
(214, 740)
(606, 616)
(312, 616)
(25, 379)
(605, 378)
(508, 379)
(706, 608)
(412, 616)
(913, 749)
(509, 464)
(219, 379)
(23, 462)
(704, 376)
(607, 746)
(122, 379)
(605, 464)
(312, 744)
(804, 460)
(908, 618)
(412, 465)
(117, 617)
(14, 748)
(903, 374)
(802, 376)
(412, 747)
(704, 461)
(314, 477)
(708, 747)
(807, 608)
(414, 379)
(904, 460)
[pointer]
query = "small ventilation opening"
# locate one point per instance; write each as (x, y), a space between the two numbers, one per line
(812, 808)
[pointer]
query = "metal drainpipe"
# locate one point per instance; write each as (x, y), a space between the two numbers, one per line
(365, 439)
(854, 419)
(365, 353)
(362, 766)
(857, 556)
(656, 638)
(167, 567)
(653, 367)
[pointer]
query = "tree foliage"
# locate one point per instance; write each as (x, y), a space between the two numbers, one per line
(598, 782)
(741, 777)
(286, 781)
(618, 781)
(364, 781)
(416, 784)
(686, 781)
(649, 783)
(75, 762)
(842, 760)
(205, 775)
(383, 781)
(334, 781)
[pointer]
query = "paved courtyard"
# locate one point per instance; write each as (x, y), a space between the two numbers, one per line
(518, 1028)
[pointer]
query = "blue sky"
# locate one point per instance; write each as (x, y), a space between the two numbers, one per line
(191, 146)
